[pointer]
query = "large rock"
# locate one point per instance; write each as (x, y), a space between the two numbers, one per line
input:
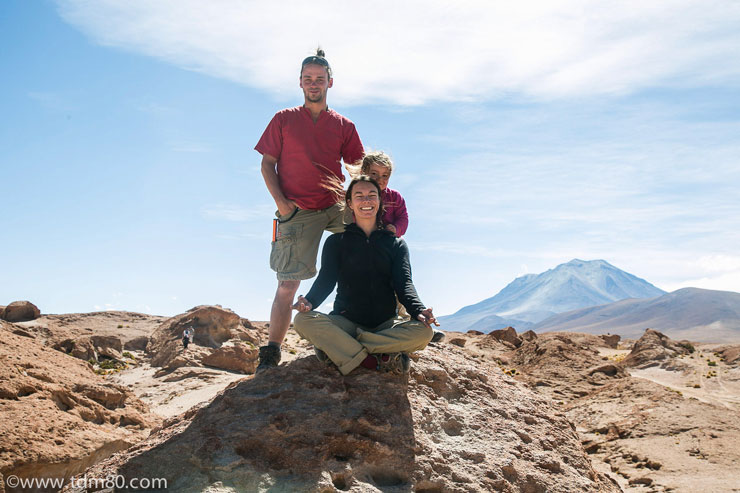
(213, 327)
(58, 416)
(507, 336)
(20, 311)
(654, 348)
(730, 354)
(529, 335)
(453, 426)
(136, 344)
(611, 340)
(92, 347)
(234, 355)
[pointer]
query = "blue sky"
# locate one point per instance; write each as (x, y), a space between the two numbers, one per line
(524, 136)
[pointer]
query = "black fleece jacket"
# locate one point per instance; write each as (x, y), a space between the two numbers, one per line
(368, 273)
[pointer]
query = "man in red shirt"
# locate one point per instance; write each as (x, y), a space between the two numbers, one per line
(302, 149)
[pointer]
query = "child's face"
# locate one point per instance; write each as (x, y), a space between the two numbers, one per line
(381, 174)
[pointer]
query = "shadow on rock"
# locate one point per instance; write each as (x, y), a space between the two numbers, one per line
(299, 426)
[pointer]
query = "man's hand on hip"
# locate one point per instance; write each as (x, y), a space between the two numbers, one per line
(286, 207)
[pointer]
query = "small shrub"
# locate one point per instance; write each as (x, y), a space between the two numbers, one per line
(120, 327)
(128, 355)
(697, 386)
(688, 346)
(712, 363)
(112, 364)
(92, 361)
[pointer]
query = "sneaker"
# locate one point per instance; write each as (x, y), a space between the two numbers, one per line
(438, 336)
(269, 358)
(397, 363)
(321, 356)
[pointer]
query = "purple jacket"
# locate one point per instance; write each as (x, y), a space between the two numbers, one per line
(395, 211)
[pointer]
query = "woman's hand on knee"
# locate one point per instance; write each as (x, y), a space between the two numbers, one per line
(427, 317)
(302, 305)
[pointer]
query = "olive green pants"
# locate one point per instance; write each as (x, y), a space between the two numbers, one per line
(347, 344)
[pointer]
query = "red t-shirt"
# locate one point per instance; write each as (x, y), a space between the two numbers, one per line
(308, 152)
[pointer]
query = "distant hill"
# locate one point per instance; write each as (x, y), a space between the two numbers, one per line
(700, 315)
(534, 297)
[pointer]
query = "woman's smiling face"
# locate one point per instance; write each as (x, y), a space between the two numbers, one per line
(364, 200)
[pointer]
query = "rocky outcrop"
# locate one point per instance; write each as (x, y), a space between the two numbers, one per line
(92, 347)
(58, 416)
(730, 354)
(234, 355)
(20, 311)
(529, 335)
(220, 338)
(453, 426)
(654, 348)
(507, 336)
(561, 364)
(136, 344)
(611, 340)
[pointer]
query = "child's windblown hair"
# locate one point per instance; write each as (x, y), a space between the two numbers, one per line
(362, 167)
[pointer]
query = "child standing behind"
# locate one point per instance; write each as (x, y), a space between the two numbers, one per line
(378, 165)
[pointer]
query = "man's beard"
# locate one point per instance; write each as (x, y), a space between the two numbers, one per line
(317, 98)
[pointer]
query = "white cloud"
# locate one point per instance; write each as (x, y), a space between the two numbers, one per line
(417, 51)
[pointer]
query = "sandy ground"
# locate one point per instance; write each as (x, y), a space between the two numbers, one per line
(176, 392)
(713, 384)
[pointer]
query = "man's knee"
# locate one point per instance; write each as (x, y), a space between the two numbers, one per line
(287, 290)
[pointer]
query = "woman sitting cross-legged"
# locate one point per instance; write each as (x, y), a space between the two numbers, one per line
(370, 266)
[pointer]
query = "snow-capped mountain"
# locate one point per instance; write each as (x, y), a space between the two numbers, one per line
(534, 297)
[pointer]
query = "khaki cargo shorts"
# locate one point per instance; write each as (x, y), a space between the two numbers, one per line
(297, 239)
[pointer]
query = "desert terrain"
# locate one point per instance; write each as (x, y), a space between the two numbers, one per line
(114, 393)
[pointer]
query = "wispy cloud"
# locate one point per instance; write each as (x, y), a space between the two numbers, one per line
(51, 101)
(417, 51)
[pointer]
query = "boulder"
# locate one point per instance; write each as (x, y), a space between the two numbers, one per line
(654, 348)
(20, 311)
(136, 344)
(107, 346)
(507, 336)
(92, 347)
(458, 341)
(213, 326)
(453, 425)
(611, 340)
(234, 355)
(529, 335)
(80, 348)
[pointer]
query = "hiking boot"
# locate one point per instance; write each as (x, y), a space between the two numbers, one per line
(396, 363)
(269, 358)
(321, 356)
(438, 336)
